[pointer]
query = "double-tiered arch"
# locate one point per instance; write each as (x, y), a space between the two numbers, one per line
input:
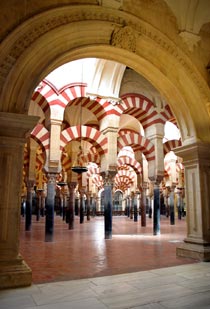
(52, 38)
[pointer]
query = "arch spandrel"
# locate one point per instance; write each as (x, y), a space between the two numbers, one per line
(184, 88)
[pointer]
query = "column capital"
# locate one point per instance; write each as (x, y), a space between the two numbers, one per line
(108, 176)
(194, 153)
(82, 190)
(72, 185)
(156, 180)
(30, 183)
(52, 177)
(16, 125)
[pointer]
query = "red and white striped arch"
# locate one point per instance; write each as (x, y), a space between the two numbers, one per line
(40, 160)
(168, 170)
(98, 181)
(72, 94)
(124, 160)
(42, 136)
(65, 161)
(95, 137)
(137, 142)
(124, 179)
(93, 170)
(94, 173)
(90, 157)
(169, 145)
(125, 174)
(73, 91)
(47, 95)
(143, 109)
(92, 105)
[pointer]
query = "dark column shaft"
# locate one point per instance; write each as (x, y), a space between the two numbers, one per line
(88, 206)
(172, 215)
(81, 208)
(156, 212)
(38, 207)
(71, 205)
(128, 207)
(28, 210)
(50, 201)
(108, 211)
(143, 207)
(135, 211)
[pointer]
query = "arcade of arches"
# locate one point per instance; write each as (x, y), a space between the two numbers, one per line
(119, 89)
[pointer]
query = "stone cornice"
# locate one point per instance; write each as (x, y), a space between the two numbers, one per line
(16, 125)
(31, 30)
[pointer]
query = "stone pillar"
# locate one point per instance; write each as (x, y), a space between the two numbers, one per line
(196, 160)
(131, 207)
(43, 204)
(88, 205)
(135, 210)
(156, 208)
(171, 205)
(156, 170)
(179, 204)
(150, 206)
(76, 206)
(72, 186)
(108, 178)
(50, 202)
(54, 124)
(143, 204)
(94, 204)
(39, 204)
(28, 210)
(82, 204)
(166, 196)
(13, 130)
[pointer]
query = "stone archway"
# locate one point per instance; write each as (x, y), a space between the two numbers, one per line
(68, 33)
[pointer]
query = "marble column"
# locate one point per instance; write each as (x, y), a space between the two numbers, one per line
(135, 210)
(179, 204)
(166, 197)
(171, 205)
(155, 134)
(128, 206)
(143, 204)
(156, 208)
(196, 160)
(82, 204)
(28, 210)
(108, 178)
(76, 206)
(71, 186)
(39, 204)
(131, 208)
(50, 202)
(88, 205)
(150, 206)
(43, 204)
(14, 128)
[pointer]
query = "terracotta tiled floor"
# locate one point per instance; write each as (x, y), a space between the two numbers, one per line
(84, 253)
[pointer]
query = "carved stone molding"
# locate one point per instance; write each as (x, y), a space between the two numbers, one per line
(52, 177)
(124, 38)
(190, 39)
(24, 36)
(108, 176)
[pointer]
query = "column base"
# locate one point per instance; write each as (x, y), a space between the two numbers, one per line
(15, 274)
(200, 252)
(108, 235)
